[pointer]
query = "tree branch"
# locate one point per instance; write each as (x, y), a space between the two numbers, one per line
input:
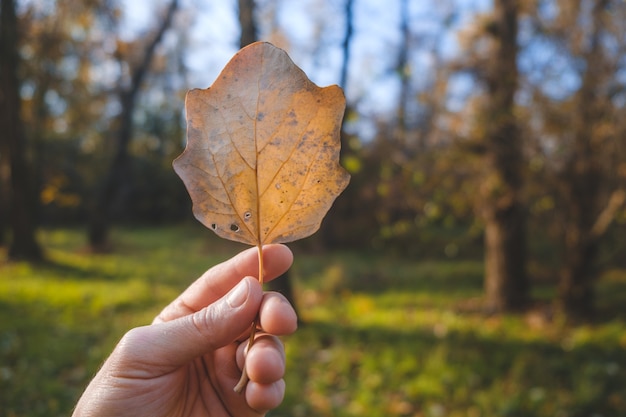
(607, 215)
(141, 69)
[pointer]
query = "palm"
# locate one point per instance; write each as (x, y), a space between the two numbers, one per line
(204, 388)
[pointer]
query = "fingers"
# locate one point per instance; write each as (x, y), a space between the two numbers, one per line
(277, 315)
(179, 341)
(171, 344)
(218, 280)
(264, 397)
(265, 388)
(265, 364)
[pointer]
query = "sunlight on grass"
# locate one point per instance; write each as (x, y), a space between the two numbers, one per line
(399, 342)
(59, 319)
(379, 336)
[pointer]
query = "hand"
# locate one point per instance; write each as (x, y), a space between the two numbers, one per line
(187, 362)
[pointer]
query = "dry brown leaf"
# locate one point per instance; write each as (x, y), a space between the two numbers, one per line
(262, 157)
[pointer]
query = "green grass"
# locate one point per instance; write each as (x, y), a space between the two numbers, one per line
(380, 336)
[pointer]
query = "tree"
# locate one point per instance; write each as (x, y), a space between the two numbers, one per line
(249, 34)
(24, 244)
(119, 169)
(247, 23)
(589, 203)
(344, 206)
(5, 180)
(502, 206)
(579, 131)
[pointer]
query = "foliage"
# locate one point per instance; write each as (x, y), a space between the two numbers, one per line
(262, 158)
(381, 336)
(412, 157)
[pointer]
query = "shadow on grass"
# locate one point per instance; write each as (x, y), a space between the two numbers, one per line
(363, 273)
(339, 370)
(63, 269)
(44, 362)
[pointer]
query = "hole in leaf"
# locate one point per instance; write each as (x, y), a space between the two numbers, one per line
(213, 226)
(247, 215)
(234, 227)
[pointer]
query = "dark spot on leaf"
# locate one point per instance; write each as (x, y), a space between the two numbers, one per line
(260, 116)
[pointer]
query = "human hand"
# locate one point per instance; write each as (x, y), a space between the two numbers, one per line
(187, 362)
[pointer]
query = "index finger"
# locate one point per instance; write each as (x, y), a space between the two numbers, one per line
(218, 280)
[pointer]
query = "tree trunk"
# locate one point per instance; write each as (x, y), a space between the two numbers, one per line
(4, 187)
(582, 239)
(24, 244)
(332, 230)
(506, 282)
(506, 286)
(576, 290)
(119, 170)
(347, 43)
(582, 183)
(249, 34)
(247, 23)
(402, 68)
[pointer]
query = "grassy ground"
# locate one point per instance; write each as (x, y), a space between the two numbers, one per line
(380, 336)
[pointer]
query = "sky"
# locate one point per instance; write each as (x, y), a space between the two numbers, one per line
(315, 30)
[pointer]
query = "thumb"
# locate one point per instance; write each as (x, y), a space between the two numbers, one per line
(177, 342)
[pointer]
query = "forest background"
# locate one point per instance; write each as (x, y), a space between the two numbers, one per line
(479, 131)
(471, 128)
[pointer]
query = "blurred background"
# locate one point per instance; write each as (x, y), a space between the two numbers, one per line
(475, 265)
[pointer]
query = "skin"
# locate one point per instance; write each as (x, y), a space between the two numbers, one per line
(187, 362)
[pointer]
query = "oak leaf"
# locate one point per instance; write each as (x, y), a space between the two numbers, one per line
(261, 162)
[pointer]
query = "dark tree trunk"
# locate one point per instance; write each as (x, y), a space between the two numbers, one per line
(332, 231)
(249, 34)
(576, 290)
(347, 43)
(405, 80)
(249, 31)
(582, 183)
(119, 170)
(506, 282)
(345, 73)
(24, 244)
(4, 187)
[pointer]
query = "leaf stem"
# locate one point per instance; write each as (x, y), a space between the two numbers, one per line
(257, 323)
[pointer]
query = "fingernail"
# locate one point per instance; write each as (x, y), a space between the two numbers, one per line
(238, 295)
